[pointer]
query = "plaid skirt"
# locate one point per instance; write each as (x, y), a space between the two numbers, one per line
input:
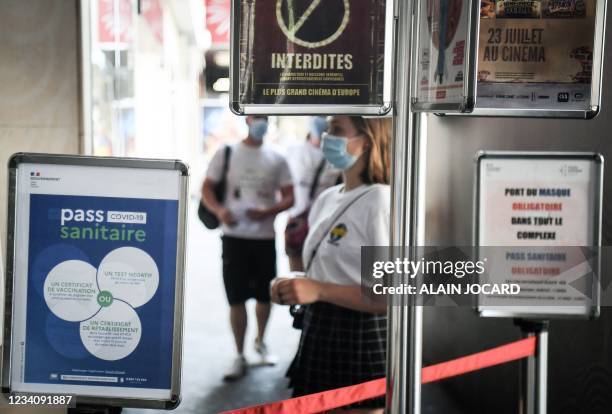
(339, 347)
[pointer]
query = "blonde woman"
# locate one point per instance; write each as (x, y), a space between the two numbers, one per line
(343, 333)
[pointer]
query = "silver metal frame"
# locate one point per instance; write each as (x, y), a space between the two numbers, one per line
(109, 162)
(596, 82)
(597, 216)
(238, 108)
(405, 319)
(471, 64)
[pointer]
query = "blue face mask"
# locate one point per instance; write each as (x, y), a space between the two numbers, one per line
(258, 129)
(334, 150)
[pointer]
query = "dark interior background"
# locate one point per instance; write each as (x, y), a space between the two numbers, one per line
(580, 364)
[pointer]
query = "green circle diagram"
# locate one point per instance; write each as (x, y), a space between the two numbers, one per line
(105, 298)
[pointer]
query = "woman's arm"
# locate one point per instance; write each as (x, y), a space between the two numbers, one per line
(300, 291)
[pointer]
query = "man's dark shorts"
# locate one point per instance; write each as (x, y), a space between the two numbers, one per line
(248, 267)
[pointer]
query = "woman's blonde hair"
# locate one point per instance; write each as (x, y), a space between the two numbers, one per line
(378, 157)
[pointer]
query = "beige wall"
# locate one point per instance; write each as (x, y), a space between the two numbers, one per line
(39, 85)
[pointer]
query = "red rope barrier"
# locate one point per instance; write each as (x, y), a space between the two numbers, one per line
(480, 360)
(340, 397)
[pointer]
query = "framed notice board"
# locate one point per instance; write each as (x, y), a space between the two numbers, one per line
(531, 58)
(311, 57)
(537, 222)
(540, 57)
(94, 281)
(445, 59)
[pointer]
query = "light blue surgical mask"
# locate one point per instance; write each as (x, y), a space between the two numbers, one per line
(335, 152)
(258, 129)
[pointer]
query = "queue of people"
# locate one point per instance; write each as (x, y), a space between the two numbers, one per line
(343, 333)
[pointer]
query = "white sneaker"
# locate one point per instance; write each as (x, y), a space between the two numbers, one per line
(262, 350)
(237, 370)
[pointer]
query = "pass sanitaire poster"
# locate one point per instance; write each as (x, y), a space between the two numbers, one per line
(100, 291)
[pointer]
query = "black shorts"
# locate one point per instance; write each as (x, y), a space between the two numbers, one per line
(248, 267)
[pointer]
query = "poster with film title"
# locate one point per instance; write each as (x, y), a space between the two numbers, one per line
(311, 52)
(100, 292)
(442, 54)
(540, 212)
(536, 53)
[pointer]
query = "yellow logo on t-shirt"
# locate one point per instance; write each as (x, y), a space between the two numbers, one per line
(336, 233)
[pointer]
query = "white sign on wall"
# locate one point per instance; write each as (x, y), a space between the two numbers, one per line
(543, 212)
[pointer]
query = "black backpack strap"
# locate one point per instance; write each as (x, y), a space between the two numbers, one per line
(226, 158)
(315, 181)
(221, 188)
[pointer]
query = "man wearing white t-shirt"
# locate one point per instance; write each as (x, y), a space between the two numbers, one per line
(258, 187)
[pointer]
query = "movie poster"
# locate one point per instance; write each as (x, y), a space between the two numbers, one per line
(536, 53)
(310, 52)
(442, 54)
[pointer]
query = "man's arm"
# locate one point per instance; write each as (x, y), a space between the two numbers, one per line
(208, 196)
(286, 201)
(210, 201)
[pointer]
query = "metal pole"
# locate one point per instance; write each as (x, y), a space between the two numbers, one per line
(404, 338)
(542, 370)
(534, 370)
(527, 384)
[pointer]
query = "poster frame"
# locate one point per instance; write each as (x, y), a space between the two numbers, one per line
(598, 160)
(311, 109)
(596, 81)
(469, 88)
(177, 341)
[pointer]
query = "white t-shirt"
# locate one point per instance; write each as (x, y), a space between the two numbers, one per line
(304, 160)
(364, 223)
(254, 179)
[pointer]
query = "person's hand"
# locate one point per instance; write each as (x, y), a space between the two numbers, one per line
(274, 289)
(225, 216)
(258, 214)
(295, 291)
